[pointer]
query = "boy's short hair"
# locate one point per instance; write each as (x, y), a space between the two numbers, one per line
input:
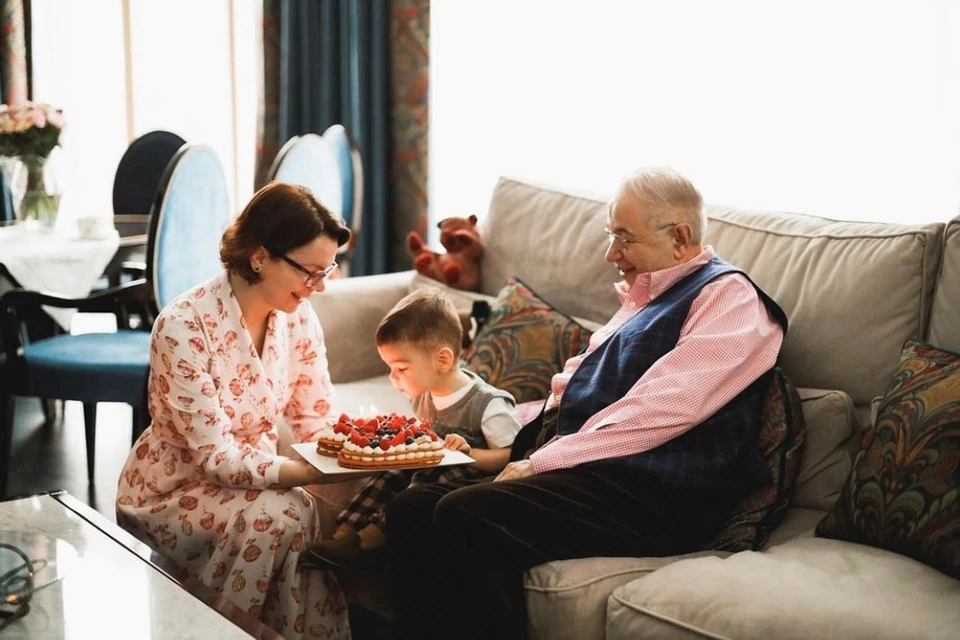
(426, 319)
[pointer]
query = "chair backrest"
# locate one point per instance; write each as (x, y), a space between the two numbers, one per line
(189, 215)
(351, 174)
(140, 169)
(311, 161)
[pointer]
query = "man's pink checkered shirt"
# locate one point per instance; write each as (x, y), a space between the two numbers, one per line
(727, 341)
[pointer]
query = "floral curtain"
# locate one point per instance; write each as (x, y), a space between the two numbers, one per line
(13, 73)
(363, 64)
(409, 44)
(13, 51)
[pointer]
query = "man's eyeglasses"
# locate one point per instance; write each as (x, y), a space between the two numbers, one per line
(313, 277)
(623, 244)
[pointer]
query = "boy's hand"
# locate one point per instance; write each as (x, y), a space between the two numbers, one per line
(457, 443)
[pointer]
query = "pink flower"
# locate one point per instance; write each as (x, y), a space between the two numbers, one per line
(39, 118)
(54, 116)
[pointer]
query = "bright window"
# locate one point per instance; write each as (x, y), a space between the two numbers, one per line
(194, 72)
(848, 110)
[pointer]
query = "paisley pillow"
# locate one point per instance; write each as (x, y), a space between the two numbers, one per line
(523, 342)
(904, 492)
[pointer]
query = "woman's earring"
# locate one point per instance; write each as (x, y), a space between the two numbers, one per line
(256, 269)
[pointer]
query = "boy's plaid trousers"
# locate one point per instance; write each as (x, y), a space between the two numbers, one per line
(369, 506)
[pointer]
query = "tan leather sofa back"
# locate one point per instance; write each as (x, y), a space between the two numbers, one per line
(853, 291)
(945, 316)
(554, 242)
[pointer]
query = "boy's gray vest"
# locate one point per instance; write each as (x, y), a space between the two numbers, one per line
(709, 452)
(463, 417)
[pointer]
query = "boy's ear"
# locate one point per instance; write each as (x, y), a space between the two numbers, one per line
(444, 358)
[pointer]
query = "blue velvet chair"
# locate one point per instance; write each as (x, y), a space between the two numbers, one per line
(135, 186)
(351, 174)
(329, 165)
(188, 217)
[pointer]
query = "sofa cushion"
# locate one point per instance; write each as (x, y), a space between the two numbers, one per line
(554, 241)
(944, 328)
(524, 343)
(349, 310)
(853, 291)
(805, 588)
(831, 421)
(904, 491)
(781, 438)
(568, 598)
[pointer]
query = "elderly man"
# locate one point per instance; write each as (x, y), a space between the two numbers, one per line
(644, 446)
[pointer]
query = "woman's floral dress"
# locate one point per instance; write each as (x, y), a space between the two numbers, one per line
(196, 485)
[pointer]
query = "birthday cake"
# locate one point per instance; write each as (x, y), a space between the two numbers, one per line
(391, 441)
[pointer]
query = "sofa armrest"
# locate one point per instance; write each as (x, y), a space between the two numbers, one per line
(350, 310)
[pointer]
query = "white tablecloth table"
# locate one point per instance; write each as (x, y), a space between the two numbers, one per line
(54, 263)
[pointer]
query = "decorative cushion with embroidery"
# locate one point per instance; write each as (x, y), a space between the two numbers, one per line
(780, 443)
(523, 343)
(903, 494)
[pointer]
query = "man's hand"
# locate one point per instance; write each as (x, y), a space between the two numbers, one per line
(515, 471)
(457, 443)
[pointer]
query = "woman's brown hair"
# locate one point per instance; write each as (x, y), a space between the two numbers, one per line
(279, 217)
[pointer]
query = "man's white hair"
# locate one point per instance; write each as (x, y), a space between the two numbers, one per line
(668, 197)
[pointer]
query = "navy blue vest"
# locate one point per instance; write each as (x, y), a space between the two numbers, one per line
(703, 456)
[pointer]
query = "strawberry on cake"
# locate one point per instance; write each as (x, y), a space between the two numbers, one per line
(332, 437)
(383, 441)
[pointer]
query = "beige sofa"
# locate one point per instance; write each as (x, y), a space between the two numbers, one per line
(853, 292)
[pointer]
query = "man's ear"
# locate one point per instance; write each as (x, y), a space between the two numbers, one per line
(682, 236)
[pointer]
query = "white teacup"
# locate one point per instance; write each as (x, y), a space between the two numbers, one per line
(94, 227)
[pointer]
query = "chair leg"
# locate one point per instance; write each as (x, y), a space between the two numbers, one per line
(7, 404)
(50, 408)
(90, 426)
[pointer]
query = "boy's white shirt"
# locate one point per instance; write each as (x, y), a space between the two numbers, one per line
(499, 423)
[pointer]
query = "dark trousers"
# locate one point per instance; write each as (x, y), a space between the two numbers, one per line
(458, 551)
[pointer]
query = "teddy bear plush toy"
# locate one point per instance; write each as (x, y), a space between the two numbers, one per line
(459, 267)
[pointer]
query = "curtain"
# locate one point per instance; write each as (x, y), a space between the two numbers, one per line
(409, 43)
(329, 62)
(13, 51)
(14, 76)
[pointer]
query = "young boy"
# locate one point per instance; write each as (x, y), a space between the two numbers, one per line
(419, 339)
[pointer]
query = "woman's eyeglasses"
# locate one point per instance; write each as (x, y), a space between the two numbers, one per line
(313, 277)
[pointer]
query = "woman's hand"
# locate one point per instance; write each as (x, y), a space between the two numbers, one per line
(457, 443)
(515, 471)
(299, 473)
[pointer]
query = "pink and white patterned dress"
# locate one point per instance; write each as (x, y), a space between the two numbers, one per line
(196, 485)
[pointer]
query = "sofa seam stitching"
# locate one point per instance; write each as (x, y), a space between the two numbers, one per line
(669, 620)
(586, 583)
(831, 236)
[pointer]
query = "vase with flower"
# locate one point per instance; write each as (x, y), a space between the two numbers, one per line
(29, 131)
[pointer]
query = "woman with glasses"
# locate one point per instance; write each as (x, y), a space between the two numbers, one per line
(229, 360)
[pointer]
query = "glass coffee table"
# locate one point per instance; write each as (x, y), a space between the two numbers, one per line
(92, 579)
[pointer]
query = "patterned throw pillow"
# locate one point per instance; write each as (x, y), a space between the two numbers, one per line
(523, 343)
(904, 492)
(781, 438)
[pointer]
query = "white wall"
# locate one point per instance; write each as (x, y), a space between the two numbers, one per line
(844, 109)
